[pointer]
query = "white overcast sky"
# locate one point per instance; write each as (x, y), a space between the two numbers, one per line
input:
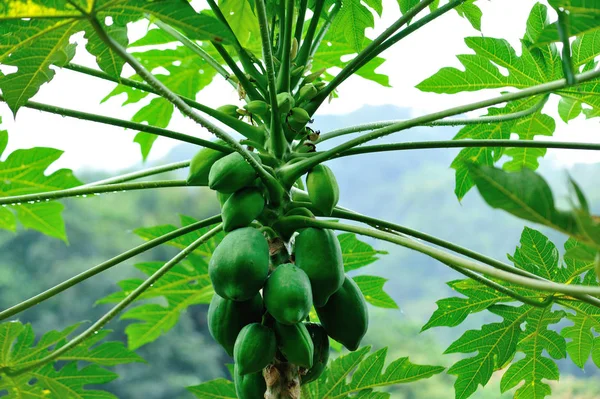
(89, 145)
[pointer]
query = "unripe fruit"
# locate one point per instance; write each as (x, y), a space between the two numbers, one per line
(285, 102)
(242, 208)
(323, 189)
(345, 317)
(231, 173)
(298, 118)
(249, 386)
(254, 349)
(318, 253)
(295, 344)
(257, 107)
(287, 294)
(227, 318)
(230, 110)
(202, 163)
(294, 49)
(239, 266)
(300, 212)
(307, 92)
(297, 71)
(321, 352)
(314, 76)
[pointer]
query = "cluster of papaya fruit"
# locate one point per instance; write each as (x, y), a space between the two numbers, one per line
(267, 280)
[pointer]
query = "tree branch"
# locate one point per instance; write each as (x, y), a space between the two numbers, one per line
(139, 174)
(57, 289)
(273, 186)
(290, 173)
(117, 309)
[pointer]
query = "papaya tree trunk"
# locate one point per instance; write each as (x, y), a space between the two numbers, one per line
(283, 381)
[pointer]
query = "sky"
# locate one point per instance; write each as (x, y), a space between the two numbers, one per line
(95, 146)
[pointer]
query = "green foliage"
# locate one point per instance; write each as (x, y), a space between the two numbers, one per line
(20, 350)
(23, 172)
(497, 344)
(185, 285)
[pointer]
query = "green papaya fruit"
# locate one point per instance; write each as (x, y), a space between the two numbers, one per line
(222, 197)
(295, 344)
(300, 212)
(285, 102)
(255, 347)
(321, 352)
(239, 265)
(294, 49)
(345, 316)
(257, 107)
(249, 386)
(201, 164)
(227, 318)
(307, 92)
(230, 110)
(242, 208)
(314, 76)
(231, 173)
(298, 118)
(323, 189)
(318, 253)
(287, 294)
(297, 72)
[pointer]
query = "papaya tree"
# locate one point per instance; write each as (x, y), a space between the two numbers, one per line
(273, 265)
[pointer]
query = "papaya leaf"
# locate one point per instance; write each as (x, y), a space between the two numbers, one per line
(351, 22)
(35, 34)
(357, 254)
(186, 284)
(19, 349)
(496, 344)
(583, 17)
(215, 389)
(526, 195)
(23, 172)
(367, 374)
(372, 289)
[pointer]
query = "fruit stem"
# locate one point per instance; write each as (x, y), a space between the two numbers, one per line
(283, 381)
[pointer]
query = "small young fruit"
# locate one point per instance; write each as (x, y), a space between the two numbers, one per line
(294, 49)
(307, 92)
(285, 102)
(287, 294)
(239, 266)
(231, 173)
(345, 316)
(257, 107)
(296, 72)
(300, 212)
(323, 189)
(230, 110)
(295, 344)
(321, 352)
(201, 164)
(298, 118)
(242, 208)
(314, 76)
(254, 349)
(318, 253)
(249, 386)
(227, 318)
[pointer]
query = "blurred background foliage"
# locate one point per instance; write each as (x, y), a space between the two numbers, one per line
(413, 188)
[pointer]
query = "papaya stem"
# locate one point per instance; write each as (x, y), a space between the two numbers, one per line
(283, 78)
(90, 190)
(117, 308)
(249, 131)
(278, 144)
(365, 55)
(446, 257)
(444, 122)
(139, 174)
(283, 381)
(57, 289)
(275, 189)
(307, 42)
(289, 174)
